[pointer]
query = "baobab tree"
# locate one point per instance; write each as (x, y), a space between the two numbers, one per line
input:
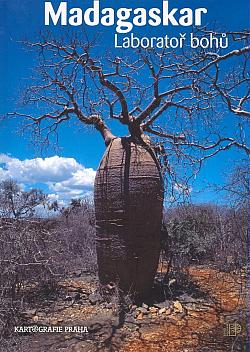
(175, 105)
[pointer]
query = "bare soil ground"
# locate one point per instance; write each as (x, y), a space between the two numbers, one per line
(188, 323)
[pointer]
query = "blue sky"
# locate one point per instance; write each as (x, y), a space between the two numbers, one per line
(80, 149)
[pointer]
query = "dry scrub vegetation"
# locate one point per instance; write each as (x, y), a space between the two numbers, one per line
(38, 253)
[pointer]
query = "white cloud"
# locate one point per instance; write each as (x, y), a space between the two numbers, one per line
(64, 177)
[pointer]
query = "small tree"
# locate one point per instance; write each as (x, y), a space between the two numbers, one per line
(17, 203)
(237, 185)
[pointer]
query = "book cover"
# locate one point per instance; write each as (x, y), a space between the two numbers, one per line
(124, 175)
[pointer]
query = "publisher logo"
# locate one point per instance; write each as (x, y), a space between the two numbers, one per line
(232, 329)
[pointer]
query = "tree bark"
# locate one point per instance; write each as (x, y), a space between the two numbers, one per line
(128, 204)
(104, 130)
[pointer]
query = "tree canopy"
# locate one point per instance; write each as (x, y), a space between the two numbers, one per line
(193, 103)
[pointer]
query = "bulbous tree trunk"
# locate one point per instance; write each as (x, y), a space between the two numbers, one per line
(128, 204)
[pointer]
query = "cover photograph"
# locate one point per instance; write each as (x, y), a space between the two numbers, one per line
(124, 175)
